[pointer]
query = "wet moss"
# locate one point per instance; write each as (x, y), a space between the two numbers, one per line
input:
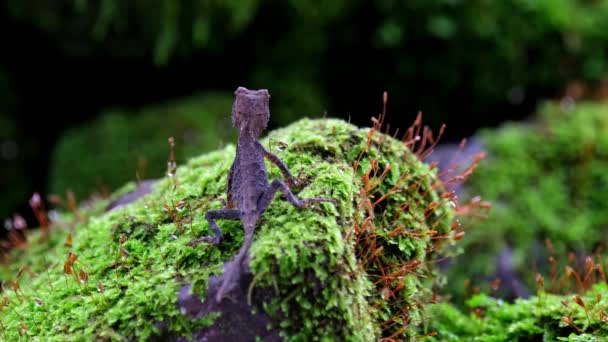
(546, 179)
(545, 317)
(323, 284)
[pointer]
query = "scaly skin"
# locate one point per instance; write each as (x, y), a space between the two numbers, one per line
(249, 192)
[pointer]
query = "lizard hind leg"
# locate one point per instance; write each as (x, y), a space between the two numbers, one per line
(211, 216)
(279, 184)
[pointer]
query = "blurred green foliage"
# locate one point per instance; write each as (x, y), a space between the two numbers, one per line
(497, 46)
(163, 27)
(108, 151)
(547, 180)
(494, 52)
(536, 319)
(485, 53)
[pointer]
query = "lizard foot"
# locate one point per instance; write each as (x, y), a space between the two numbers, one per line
(214, 240)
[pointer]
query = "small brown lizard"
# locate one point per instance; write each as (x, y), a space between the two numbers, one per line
(248, 190)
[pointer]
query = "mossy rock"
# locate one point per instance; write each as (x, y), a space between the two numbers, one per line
(108, 151)
(309, 259)
(545, 317)
(546, 179)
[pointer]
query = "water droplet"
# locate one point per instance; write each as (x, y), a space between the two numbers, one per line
(171, 168)
(19, 222)
(180, 205)
(53, 215)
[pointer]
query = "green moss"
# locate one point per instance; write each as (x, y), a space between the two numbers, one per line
(308, 258)
(546, 180)
(536, 319)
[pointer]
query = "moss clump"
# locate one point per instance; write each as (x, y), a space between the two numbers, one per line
(120, 142)
(325, 288)
(546, 180)
(545, 317)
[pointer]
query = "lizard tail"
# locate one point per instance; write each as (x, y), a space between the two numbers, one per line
(234, 269)
(246, 244)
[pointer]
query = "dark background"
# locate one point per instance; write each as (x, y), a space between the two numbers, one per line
(467, 64)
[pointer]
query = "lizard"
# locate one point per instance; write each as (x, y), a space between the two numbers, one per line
(248, 191)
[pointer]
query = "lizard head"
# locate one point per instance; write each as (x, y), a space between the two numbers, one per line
(250, 110)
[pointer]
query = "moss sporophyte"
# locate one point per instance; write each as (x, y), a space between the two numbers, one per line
(358, 270)
(547, 180)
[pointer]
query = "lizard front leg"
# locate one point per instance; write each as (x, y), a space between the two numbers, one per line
(211, 216)
(291, 181)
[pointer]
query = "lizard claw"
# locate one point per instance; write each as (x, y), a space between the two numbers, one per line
(214, 240)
